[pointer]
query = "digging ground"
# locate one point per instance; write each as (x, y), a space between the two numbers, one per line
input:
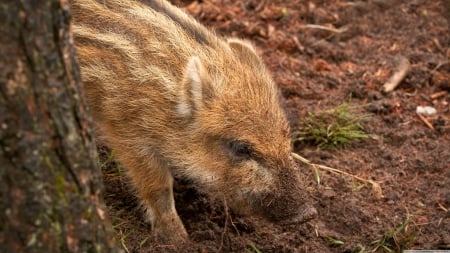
(323, 54)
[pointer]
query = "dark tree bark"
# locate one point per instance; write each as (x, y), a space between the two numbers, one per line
(50, 184)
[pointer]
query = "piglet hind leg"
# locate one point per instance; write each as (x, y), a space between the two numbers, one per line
(154, 186)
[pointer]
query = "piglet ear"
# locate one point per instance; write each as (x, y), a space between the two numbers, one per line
(192, 94)
(241, 45)
(245, 51)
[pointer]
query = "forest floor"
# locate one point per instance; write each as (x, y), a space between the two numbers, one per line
(324, 54)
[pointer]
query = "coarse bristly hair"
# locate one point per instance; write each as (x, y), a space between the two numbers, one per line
(172, 98)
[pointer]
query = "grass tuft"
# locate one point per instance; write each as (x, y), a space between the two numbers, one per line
(335, 242)
(254, 248)
(333, 128)
(396, 240)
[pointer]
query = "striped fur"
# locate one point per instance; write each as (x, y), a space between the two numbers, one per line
(172, 98)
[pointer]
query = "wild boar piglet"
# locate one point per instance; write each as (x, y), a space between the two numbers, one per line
(173, 99)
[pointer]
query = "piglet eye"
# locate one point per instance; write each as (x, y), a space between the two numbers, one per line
(240, 149)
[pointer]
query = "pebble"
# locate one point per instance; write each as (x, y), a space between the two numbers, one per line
(425, 110)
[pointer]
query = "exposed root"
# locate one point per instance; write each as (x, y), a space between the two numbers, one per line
(326, 28)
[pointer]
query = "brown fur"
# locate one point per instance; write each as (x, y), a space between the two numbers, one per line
(172, 98)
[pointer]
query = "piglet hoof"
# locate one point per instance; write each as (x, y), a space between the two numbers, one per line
(170, 231)
(171, 238)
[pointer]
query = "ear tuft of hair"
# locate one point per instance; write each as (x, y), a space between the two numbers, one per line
(191, 97)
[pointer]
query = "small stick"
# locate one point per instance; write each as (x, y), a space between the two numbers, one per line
(442, 207)
(226, 224)
(440, 65)
(398, 76)
(375, 186)
(425, 121)
(300, 47)
(227, 217)
(438, 94)
(259, 6)
(330, 29)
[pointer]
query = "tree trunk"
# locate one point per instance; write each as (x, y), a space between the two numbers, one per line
(51, 189)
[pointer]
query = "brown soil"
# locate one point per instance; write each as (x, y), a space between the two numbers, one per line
(318, 69)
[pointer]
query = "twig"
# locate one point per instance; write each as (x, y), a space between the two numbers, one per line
(227, 217)
(300, 47)
(425, 121)
(260, 6)
(438, 45)
(225, 206)
(326, 28)
(375, 186)
(442, 207)
(438, 94)
(440, 65)
(122, 242)
(398, 76)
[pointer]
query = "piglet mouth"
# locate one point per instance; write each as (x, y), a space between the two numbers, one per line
(306, 214)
